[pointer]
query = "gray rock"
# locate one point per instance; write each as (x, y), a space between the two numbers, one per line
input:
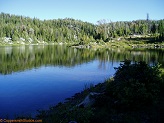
(89, 100)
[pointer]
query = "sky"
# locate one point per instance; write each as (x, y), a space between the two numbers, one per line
(86, 10)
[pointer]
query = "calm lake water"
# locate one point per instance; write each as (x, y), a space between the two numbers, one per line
(37, 77)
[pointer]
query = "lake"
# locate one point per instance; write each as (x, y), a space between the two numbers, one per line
(37, 77)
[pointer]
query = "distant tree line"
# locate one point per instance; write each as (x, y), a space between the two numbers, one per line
(71, 30)
(110, 29)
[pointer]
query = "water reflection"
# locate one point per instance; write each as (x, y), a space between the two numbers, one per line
(19, 58)
(51, 73)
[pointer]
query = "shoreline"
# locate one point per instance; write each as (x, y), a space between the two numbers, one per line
(80, 102)
(120, 42)
(114, 44)
(99, 103)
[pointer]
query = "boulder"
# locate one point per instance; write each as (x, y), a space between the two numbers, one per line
(89, 100)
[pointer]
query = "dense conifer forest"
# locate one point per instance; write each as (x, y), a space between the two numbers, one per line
(19, 28)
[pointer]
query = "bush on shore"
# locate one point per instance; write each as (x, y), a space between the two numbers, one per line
(135, 94)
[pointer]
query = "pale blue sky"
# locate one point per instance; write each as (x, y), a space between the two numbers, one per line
(86, 10)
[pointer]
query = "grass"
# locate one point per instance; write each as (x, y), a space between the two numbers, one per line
(129, 43)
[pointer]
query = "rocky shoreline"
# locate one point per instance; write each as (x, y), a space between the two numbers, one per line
(79, 106)
(130, 43)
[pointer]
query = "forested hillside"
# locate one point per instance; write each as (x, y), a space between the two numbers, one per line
(19, 28)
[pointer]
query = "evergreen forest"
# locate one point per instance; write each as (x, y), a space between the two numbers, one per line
(15, 28)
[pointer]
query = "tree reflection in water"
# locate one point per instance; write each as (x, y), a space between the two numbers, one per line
(20, 58)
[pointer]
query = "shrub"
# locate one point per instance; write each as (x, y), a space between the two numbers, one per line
(135, 85)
